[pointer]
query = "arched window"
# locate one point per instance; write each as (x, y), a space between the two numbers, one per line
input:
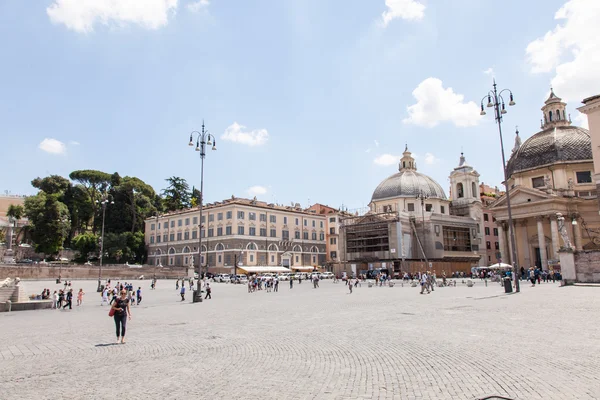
(158, 252)
(558, 115)
(185, 250)
(459, 190)
(297, 249)
(273, 247)
(171, 251)
(314, 250)
(550, 115)
(474, 189)
(251, 246)
(219, 247)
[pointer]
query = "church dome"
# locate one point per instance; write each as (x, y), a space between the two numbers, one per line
(408, 183)
(557, 142)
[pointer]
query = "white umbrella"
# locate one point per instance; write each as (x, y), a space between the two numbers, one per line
(500, 266)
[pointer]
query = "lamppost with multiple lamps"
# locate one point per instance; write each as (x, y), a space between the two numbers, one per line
(104, 203)
(202, 139)
(422, 197)
(496, 100)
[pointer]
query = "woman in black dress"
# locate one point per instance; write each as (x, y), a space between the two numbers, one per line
(122, 313)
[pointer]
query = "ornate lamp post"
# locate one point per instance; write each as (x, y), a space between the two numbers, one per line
(103, 203)
(423, 197)
(495, 100)
(202, 139)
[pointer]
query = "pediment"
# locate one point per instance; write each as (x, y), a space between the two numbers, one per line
(521, 195)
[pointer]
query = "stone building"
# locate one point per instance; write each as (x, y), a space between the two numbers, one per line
(488, 196)
(332, 231)
(249, 232)
(411, 225)
(549, 173)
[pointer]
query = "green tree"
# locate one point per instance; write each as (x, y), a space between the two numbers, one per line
(94, 183)
(195, 197)
(176, 195)
(15, 211)
(53, 184)
(49, 221)
(85, 243)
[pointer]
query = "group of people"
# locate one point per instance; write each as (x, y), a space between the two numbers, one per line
(269, 284)
(134, 296)
(207, 288)
(63, 298)
(536, 275)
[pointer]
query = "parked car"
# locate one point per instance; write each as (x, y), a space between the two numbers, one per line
(221, 277)
(226, 278)
(327, 275)
(286, 276)
(241, 278)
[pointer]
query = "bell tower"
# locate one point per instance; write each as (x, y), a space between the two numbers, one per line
(464, 181)
(407, 162)
(555, 112)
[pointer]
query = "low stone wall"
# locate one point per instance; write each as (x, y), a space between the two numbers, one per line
(587, 266)
(77, 272)
(27, 306)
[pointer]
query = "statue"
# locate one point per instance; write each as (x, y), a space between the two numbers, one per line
(563, 231)
(570, 184)
(547, 181)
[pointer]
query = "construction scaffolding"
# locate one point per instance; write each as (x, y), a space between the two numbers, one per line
(368, 233)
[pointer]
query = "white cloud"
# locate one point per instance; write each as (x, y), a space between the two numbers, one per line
(53, 146)
(74, 143)
(411, 10)
(436, 104)
(430, 159)
(571, 51)
(256, 190)
(489, 71)
(582, 120)
(198, 5)
(82, 15)
(376, 143)
(386, 159)
(235, 133)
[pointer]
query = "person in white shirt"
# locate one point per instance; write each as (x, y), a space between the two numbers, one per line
(424, 283)
(104, 297)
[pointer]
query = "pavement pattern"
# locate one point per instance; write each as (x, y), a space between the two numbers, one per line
(305, 343)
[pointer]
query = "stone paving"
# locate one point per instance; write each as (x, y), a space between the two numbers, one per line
(305, 343)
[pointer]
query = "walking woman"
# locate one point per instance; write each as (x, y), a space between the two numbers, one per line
(122, 313)
(80, 297)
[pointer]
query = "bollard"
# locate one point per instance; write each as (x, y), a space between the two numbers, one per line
(8, 305)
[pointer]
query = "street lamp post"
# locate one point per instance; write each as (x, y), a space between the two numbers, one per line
(495, 100)
(202, 139)
(422, 197)
(103, 203)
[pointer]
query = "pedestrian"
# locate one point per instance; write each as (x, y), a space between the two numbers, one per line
(182, 292)
(350, 285)
(139, 295)
(191, 284)
(80, 297)
(61, 297)
(208, 292)
(276, 285)
(424, 284)
(532, 276)
(55, 300)
(104, 297)
(122, 312)
(177, 284)
(291, 283)
(69, 301)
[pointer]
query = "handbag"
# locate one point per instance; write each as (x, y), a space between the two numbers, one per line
(111, 312)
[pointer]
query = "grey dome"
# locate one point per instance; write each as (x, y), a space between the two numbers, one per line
(550, 146)
(408, 183)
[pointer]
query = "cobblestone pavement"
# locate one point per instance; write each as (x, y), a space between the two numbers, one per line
(305, 343)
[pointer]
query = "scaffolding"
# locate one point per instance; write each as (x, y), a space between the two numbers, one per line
(368, 233)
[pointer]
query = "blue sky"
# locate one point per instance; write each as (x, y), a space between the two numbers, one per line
(310, 100)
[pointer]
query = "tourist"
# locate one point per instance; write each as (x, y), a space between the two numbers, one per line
(182, 291)
(532, 276)
(208, 291)
(191, 284)
(69, 301)
(350, 285)
(276, 285)
(122, 313)
(61, 297)
(291, 283)
(139, 295)
(177, 284)
(104, 297)
(424, 284)
(80, 297)
(55, 300)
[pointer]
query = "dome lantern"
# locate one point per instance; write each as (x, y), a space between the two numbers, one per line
(555, 113)
(407, 162)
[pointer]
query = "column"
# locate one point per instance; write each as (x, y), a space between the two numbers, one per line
(554, 233)
(542, 242)
(577, 234)
(502, 240)
(524, 242)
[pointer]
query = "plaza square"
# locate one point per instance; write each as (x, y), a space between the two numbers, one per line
(306, 343)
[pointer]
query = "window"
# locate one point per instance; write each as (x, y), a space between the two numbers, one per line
(151, 239)
(297, 235)
(179, 222)
(497, 245)
(263, 217)
(251, 257)
(487, 230)
(172, 237)
(165, 237)
(332, 220)
(272, 219)
(228, 214)
(320, 224)
(443, 209)
(228, 230)
(263, 232)
(165, 225)
(240, 230)
(157, 238)
(297, 258)
(285, 235)
(220, 259)
(333, 241)
(332, 231)
(178, 235)
(186, 236)
(584, 177)
(151, 227)
(457, 239)
(296, 221)
(305, 222)
(252, 231)
(333, 255)
(488, 245)
(285, 220)
(211, 232)
(194, 234)
(273, 233)
(195, 221)
(272, 259)
(240, 215)
(538, 182)
(314, 236)
(202, 233)
(187, 221)
(486, 217)
(220, 231)
(220, 217)
(495, 231)
(428, 207)
(203, 219)
(314, 223)
(474, 189)
(305, 236)
(411, 206)
(321, 236)
(211, 217)
(172, 224)
(252, 216)
(460, 192)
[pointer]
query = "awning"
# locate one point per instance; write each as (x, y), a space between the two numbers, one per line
(264, 269)
(303, 268)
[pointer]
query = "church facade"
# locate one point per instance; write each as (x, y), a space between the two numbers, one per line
(550, 176)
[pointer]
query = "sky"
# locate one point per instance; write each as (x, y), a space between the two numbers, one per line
(309, 100)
